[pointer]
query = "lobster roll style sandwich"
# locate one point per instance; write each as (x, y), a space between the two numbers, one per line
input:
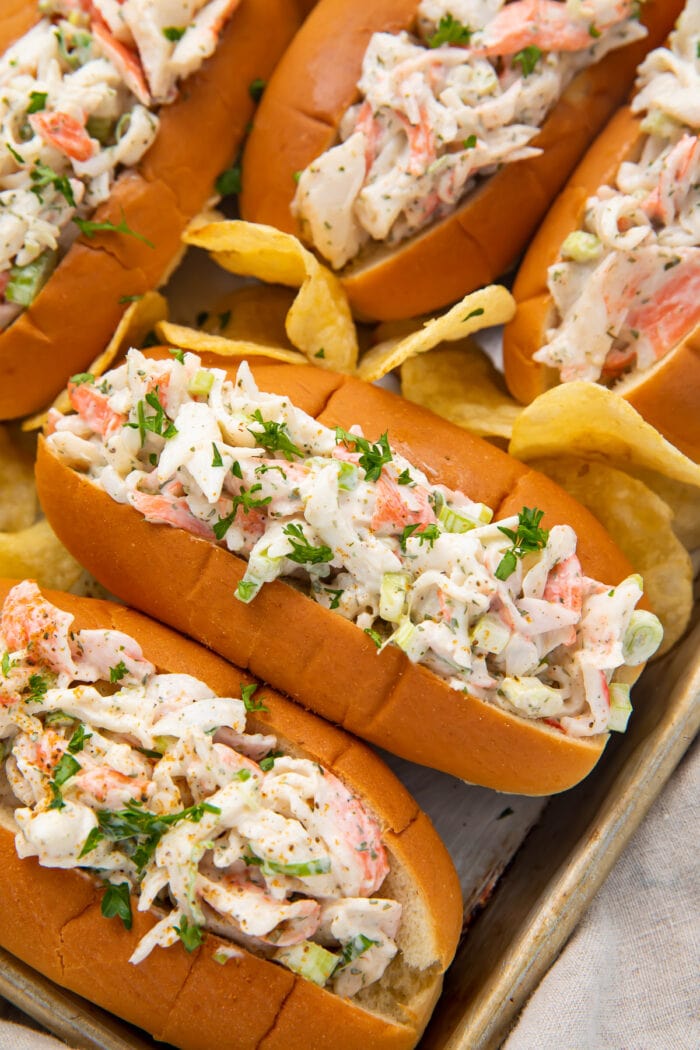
(376, 563)
(115, 121)
(244, 874)
(416, 146)
(609, 292)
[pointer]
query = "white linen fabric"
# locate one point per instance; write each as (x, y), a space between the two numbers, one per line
(629, 977)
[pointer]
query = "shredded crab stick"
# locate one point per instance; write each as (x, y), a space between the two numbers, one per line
(155, 783)
(627, 287)
(439, 111)
(500, 609)
(78, 100)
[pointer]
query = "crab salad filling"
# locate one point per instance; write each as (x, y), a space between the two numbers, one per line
(79, 95)
(626, 288)
(499, 609)
(443, 108)
(154, 784)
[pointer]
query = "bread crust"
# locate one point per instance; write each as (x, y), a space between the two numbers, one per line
(191, 1000)
(323, 661)
(298, 119)
(74, 315)
(668, 394)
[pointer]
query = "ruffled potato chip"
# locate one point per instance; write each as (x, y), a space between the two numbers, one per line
(482, 309)
(203, 342)
(461, 384)
(641, 525)
(319, 321)
(140, 318)
(18, 500)
(36, 553)
(255, 313)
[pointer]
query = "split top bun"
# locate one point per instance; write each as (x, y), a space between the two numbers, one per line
(416, 149)
(511, 637)
(115, 126)
(608, 292)
(253, 857)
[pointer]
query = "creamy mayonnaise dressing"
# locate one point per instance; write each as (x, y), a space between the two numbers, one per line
(78, 100)
(627, 286)
(501, 609)
(153, 781)
(444, 108)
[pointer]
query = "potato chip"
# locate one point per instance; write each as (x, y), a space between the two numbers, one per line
(482, 309)
(319, 321)
(684, 501)
(255, 313)
(202, 342)
(461, 384)
(588, 420)
(18, 500)
(640, 523)
(37, 553)
(140, 318)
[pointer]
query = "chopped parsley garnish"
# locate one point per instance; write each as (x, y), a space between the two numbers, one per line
(473, 313)
(65, 768)
(268, 761)
(174, 33)
(117, 902)
(190, 934)
(37, 689)
(137, 831)
(236, 469)
(303, 553)
(37, 101)
(77, 741)
(302, 868)
(82, 377)
(15, 154)
(124, 299)
(527, 538)
(450, 31)
(179, 355)
(469, 143)
(427, 535)
(264, 468)
(274, 436)
(405, 478)
(244, 499)
(247, 694)
(229, 181)
(42, 176)
(6, 663)
(256, 88)
(157, 424)
(593, 31)
(320, 353)
(117, 672)
(216, 460)
(527, 59)
(373, 456)
(335, 600)
(90, 228)
(376, 638)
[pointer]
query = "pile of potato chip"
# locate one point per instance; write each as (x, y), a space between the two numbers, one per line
(586, 438)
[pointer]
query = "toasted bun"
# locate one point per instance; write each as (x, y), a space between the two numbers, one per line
(51, 918)
(668, 394)
(298, 119)
(318, 658)
(74, 315)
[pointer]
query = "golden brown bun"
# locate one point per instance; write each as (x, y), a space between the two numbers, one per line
(314, 84)
(74, 315)
(318, 658)
(668, 395)
(51, 919)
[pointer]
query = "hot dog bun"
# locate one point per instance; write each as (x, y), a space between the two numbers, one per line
(298, 120)
(320, 659)
(52, 919)
(668, 394)
(74, 315)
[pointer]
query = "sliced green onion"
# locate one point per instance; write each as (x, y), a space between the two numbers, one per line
(531, 696)
(642, 637)
(348, 476)
(620, 707)
(201, 383)
(247, 589)
(100, 128)
(309, 960)
(392, 595)
(489, 634)
(26, 282)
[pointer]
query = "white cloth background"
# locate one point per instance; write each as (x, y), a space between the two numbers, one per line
(629, 977)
